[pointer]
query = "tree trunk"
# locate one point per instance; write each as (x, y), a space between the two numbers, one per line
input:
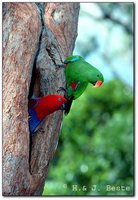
(36, 37)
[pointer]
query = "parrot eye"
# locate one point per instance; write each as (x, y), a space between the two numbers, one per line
(98, 75)
(59, 99)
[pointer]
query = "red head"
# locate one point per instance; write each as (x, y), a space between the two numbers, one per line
(49, 104)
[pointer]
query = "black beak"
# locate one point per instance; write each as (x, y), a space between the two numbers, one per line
(63, 107)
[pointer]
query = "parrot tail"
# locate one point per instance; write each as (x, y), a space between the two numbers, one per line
(34, 121)
(68, 105)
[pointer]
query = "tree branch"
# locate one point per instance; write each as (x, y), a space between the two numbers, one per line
(36, 36)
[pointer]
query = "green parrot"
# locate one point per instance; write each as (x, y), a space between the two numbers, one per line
(78, 74)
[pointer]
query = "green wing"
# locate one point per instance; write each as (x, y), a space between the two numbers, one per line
(80, 71)
(76, 92)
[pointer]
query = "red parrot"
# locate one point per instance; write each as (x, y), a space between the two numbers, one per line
(41, 107)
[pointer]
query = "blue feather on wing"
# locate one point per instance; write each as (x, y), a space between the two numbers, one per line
(34, 121)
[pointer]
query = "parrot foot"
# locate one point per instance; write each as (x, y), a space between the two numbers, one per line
(61, 89)
(64, 90)
(61, 65)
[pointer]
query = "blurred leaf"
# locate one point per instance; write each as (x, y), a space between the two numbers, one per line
(96, 144)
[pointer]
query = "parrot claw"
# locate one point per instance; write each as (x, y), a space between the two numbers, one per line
(61, 65)
(64, 90)
(61, 89)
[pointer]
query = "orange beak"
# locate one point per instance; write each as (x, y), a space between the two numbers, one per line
(98, 83)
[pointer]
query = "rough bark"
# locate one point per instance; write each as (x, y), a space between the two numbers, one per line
(36, 37)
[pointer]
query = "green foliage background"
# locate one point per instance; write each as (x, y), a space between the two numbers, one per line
(96, 144)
